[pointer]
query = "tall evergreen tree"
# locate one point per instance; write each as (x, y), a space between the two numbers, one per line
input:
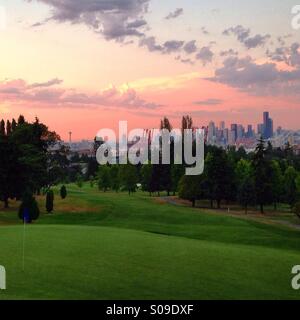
(2, 128)
(50, 201)
(262, 176)
(277, 182)
(13, 125)
(219, 175)
(290, 177)
(21, 120)
(8, 128)
(63, 192)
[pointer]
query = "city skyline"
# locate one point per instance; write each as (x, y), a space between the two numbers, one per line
(144, 60)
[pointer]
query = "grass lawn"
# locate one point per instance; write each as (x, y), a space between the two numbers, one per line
(112, 246)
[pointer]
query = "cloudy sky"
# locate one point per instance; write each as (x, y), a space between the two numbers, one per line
(85, 65)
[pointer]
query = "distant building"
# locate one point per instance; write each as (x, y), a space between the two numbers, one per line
(231, 138)
(250, 133)
(240, 131)
(222, 125)
(234, 130)
(267, 126)
(260, 129)
(211, 132)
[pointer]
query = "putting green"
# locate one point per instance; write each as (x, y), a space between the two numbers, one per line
(84, 262)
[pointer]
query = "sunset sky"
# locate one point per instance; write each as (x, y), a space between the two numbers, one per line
(84, 65)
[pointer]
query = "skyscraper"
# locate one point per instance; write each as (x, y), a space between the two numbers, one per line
(222, 125)
(267, 126)
(234, 129)
(240, 131)
(211, 132)
(250, 131)
(260, 129)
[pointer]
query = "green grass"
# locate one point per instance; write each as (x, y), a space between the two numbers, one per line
(112, 246)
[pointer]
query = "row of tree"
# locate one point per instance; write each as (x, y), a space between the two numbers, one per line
(251, 180)
(267, 176)
(24, 161)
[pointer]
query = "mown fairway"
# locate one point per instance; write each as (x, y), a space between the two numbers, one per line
(112, 246)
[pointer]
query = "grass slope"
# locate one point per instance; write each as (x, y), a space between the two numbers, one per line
(112, 246)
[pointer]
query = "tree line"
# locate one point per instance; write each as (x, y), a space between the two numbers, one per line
(24, 163)
(267, 176)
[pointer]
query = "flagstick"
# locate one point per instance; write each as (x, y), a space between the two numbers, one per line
(23, 262)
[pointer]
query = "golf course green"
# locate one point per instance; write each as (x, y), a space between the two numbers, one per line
(115, 246)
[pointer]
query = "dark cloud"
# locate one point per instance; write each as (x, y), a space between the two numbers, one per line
(205, 55)
(289, 55)
(256, 41)
(243, 36)
(151, 44)
(168, 47)
(115, 19)
(172, 46)
(259, 79)
(49, 83)
(229, 52)
(190, 47)
(208, 102)
(173, 15)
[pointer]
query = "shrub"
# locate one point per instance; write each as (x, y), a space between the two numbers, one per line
(30, 205)
(49, 201)
(63, 192)
(79, 181)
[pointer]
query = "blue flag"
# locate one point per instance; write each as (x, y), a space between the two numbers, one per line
(26, 215)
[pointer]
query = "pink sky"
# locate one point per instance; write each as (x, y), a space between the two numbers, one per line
(139, 66)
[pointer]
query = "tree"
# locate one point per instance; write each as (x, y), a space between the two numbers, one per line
(104, 181)
(298, 186)
(146, 176)
(13, 125)
(262, 175)
(277, 181)
(63, 192)
(165, 169)
(50, 201)
(177, 171)
(190, 188)
(245, 184)
(24, 165)
(28, 209)
(129, 177)
(246, 193)
(219, 175)
(290, 177)
(79, 181)
(2, 128)
(21, 120)
(8, 128)
(115, 178)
